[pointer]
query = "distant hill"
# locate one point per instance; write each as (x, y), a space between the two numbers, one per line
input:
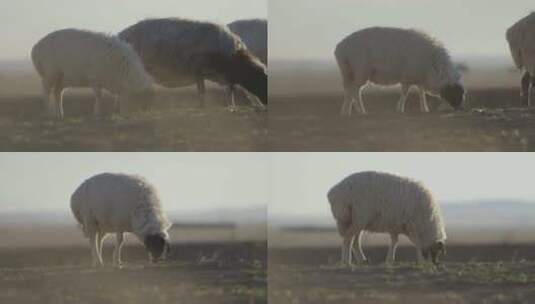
(250, 215)
(477, 215)
(16, 66)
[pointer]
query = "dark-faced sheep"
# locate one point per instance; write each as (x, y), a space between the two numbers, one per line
(382, 202)
(388, 56)
(521, 39)
(118, 203)
(180, 52)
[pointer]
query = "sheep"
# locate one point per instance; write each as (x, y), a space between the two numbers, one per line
(118, 203)
(521, 39)
(253, 32)
(388, 56)
(181, 52)
(382, 202)
(78, 58)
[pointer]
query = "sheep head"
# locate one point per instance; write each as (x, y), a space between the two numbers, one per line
(157, 245)
(247, 71)
(434, 251)
(454, 95)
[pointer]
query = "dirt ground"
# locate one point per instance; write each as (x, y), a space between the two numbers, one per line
(176, 123)
(194, 273)
(469, 274)
(493, 121)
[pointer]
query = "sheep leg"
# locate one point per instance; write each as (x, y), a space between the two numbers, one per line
(118, 247)
(531, 91)
(201, 88)
(255, 101)
(93, 242)
(403, 99)
(358, 99)
(58, 97)
(346, 250)
(47, 89)
(391, 255)
(356, 247)
(230, 98)
(525, 84)
(423, 101)
(97, 106)
(348, 99)
(102, 236)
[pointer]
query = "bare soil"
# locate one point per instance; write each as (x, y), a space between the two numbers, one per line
(469, 274)
(194, 273)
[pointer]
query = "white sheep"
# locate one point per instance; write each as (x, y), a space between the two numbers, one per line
(388, 56)
(253, 32)
(119, 203)
(521, 39)
(77, 58)
(381, 202)
(180, 52)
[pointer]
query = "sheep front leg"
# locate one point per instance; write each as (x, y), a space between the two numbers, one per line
(118, 247)
(423, 101)
(391, 255)
(403, 99)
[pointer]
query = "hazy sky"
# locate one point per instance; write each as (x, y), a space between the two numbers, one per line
(312, 28)
(185, 181)
(300, 181)
(24, 22)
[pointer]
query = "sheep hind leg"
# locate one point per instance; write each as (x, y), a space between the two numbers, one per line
(58, 98)
(96, 259)
(358, 100)
(47, 89)
(347, 259)
(525, 85)
(117, 252)
(356, 247)
(348, 99)
(403, 99)
(100, 245)
(531, 92)
(391, 255)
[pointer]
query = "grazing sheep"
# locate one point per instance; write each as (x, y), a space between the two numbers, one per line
(179, 52)
(77, 58)
(119, 203)
(382, 202)
(521, 39)
(389, 56)
(253, 32)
